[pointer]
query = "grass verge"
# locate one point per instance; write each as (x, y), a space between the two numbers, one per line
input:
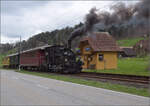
(115, 87)
(129, 66)
(129, 41)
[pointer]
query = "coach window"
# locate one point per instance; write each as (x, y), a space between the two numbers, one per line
(101, 57)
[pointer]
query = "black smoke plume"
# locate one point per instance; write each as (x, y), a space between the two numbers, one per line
(91, 19)
(123, 21)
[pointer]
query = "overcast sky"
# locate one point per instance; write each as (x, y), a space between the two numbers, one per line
(27, 18)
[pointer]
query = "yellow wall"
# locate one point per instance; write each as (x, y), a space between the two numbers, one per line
(109, 58)
(89, 61)
(109, 61)
(83, 46)
(100, 64)
(85, 54)
(84, 59)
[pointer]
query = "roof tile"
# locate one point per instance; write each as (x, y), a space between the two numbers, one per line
(101, 41)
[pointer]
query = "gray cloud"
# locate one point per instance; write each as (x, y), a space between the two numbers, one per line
(27, 18)
(17, 7)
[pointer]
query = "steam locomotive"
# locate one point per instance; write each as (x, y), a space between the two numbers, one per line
(62, 59)
(55, 58)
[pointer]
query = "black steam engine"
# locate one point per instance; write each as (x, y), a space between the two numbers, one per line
(62, 59)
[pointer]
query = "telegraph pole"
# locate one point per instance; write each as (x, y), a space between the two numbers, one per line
(19, 53)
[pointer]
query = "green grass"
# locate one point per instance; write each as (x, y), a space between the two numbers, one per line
(129, 66)
(115, 87)
(129, 41)
(1, 58)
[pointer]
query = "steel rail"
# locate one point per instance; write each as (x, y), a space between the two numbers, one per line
(116, 77)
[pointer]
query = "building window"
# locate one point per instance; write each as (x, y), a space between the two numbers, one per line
(87, 49)
(101, 57)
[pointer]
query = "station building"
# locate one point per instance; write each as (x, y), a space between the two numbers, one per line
(99, 51)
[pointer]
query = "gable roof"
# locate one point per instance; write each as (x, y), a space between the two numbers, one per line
(101, 41)
(142, 44)
(128, 51)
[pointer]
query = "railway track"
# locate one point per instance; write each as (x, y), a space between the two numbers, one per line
(131, 80)
(116, 77)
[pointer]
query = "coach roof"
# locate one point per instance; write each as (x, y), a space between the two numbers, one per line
(29, 50)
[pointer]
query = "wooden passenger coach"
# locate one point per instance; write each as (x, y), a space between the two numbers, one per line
(33, 58)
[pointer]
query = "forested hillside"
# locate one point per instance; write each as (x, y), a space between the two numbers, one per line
(124, 22)
(51, 38)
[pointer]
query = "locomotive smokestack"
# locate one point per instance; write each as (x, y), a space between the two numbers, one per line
(77, 32)
(69, 44)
